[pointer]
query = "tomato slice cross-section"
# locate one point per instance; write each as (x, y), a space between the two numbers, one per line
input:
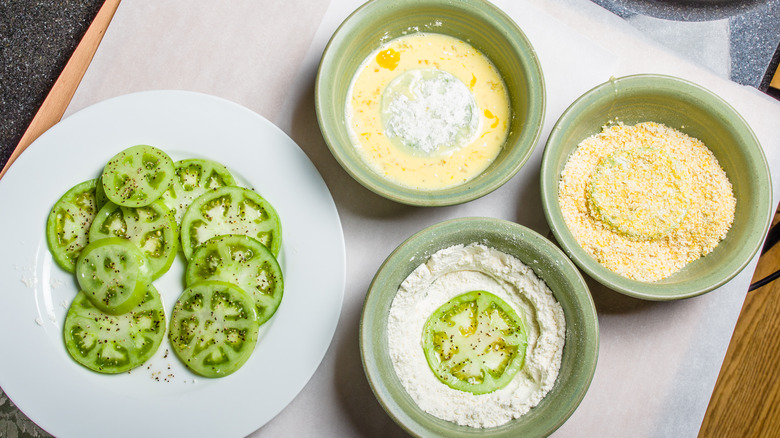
(67, 229)
(230, 210)
(245, 262)
(137, 176)
(114, 274)
(152, 228)
(475, 342)
(192, 178)
(114, 343)
(213, 328)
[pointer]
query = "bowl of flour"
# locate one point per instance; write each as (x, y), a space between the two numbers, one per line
(430, 102)
(513, 298)
(656, 187)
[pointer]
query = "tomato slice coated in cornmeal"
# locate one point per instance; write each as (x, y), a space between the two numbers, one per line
(114, 343)
(152, 228)
(230, 210)
(114, 274)
(137, 176)
(192, 178)
(475, 342)
(67, 229)
(245, 262)
(213, 328)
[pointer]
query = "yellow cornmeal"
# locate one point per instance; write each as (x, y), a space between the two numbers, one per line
(677, 203)
(434, 57)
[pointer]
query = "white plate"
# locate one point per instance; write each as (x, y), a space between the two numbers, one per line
(163, 398)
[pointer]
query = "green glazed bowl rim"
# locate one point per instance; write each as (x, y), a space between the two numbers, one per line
(657, 291)
(582, 331)
(522, 148)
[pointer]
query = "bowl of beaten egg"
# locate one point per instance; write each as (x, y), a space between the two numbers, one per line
(430, 102)
(479, 327)
(656, 187)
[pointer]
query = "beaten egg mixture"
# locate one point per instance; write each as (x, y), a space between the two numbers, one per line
(428, 111)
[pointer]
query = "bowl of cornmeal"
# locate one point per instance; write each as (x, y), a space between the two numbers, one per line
(479, 327)
(656, 187)
(430, 102)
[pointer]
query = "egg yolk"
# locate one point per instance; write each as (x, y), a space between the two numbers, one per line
(388, 59)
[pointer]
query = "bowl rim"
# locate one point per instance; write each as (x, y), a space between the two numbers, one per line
(537, 98)
(368, 344)
(549, 182)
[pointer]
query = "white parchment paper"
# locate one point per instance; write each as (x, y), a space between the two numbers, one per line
(658, 362)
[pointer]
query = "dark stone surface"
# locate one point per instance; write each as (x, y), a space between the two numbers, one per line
(37, 39)
(754, 27)
(682, 10)
(755, 45)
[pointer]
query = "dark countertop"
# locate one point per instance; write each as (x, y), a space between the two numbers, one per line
(753, 28)
(39, 36)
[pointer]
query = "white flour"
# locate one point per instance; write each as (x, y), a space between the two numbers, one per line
(451, 272)
(429, 110)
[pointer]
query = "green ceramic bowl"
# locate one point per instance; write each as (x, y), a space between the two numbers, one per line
(475, 21)
(699, 113)
(548, 262)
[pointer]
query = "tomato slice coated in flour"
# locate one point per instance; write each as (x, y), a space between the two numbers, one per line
(475, 342)
(213, 328)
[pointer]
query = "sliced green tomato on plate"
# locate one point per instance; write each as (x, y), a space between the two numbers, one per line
(213, 328)
(137, 176)
(100, 194)
(192, 178)
(152, 228)
(244, 262)
(475, 342)
(114, 343)
(114, 274)
(230, 210)
(67, 229)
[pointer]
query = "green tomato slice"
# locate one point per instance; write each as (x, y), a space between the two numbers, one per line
(191, 179)
(67, 229)
(475, 342)
(152, 228)
(137, 176)
(100, 195)
(244, 262)
(213, 328)
(230, 210)
(640, 193)
(114, 274)
(114, 343)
